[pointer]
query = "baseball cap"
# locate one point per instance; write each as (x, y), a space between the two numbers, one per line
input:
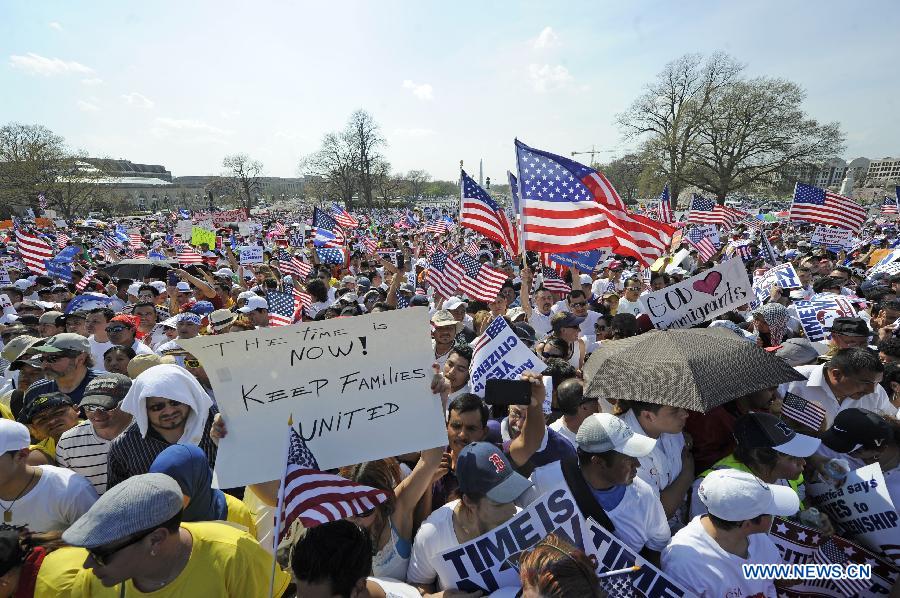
(349, 279)
(254, 303)
(764, 430)
(43, 401)
(482, 468)
(525, 332)
(134, 505)
(735, 495)
(224, 272)
(442, 318)
(856, 428)
(602, 432)
(23, 284)
(418, 300)
(407, 288)
(143, 362)
(452, 303)
(202, 308)
(515, 313)
(246, 295)
(13, 436)
(64, 341)
(615, 265)
(850, 327)
(50, 317)
(221, 318)
(183, 287)
(565, 319)
(17, 347)
(585, 279)
(187, 316)
(106, 391)
(159, 285)
(799, 351)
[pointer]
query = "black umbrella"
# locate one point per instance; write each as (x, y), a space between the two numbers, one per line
(139, 269)
(697, 369)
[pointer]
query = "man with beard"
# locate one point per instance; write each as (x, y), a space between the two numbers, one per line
(67, 364)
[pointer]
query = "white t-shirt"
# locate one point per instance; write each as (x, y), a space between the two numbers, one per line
(639, 518)
(601, 287)
(629, 307)
(540, 323)
(559, 426)
(139, 348)
(696, 561)
(395, 589)
(663, 464)
(58, 499)
(97, 351)
(82, 451)
(435, 537)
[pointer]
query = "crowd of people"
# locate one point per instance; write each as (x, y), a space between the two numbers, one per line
(109, 427)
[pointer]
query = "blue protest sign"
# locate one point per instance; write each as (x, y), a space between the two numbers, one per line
(67, 255)
(585, 261)
(61, 270)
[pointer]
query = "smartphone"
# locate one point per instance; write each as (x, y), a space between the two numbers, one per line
(507, 392)
(173, 279)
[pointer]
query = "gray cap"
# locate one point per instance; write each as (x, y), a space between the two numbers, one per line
(799, 351)
(106, 391)
(18, 346)
(603, 432)
(137, 504)
(65, 341)
(49, 317)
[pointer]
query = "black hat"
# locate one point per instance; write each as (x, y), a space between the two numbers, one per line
(525, 332)
(106, 391)
(43, 401)
(763, 430)
(850, 327)
(855, 428)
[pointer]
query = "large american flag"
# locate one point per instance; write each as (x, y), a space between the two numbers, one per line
(477, 280)
(33, 251)
(444, 280)
(289, 264)
(281, 308)
(187, 255)
(317, 497)
(665, 212)
(889, 205)
(567, 206)
(808, 413)
(482, 214)
(343, 217)
(706, 211)
(326, 232)
(820, 206)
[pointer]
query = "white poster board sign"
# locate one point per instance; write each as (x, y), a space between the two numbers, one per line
(183, 228)
(357, 389)
(6, 304)
(831, 237)
(699, 298)
(244, 229)
(499, 354)
(4, 276)
(251, 254)
(783, 275)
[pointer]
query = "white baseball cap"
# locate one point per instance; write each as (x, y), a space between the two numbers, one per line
(585, 279)
(452, 303)
(602, 432)
(254, 303)
(159, 286)
(183, 287)
(735, 495)
(13, 436)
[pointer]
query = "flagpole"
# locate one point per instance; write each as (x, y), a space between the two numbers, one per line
(276, 532)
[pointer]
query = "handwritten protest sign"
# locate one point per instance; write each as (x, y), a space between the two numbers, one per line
(861, 509)
(357, 388)
(819, 312)
(699, 298)
(251, 254)
(612, 554)
(481, 564)
(201, 235)
(500, 354)
(800, 545)
(831, 237)
(782, 275)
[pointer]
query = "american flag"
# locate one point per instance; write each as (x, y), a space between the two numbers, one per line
(706, 211)
(665, 206)
(281, 308)
(289, 264)
(768, 252)
(472, 249)
(476, 280)
(343, 217)
(332, 255)
(135, 240)
(187, 255)
(820, 206)
(753, 223)
(567, 206)
(33, 251)
(702, 243)
(836, 550)
(110, 243)
(553, 282)
(83, 283)
(436, 226)
(278, 229)
(444, 280)
(547, 260)
(482, 214)
(62, 239)
(369, 243)
(317, 497)
(800, 410)
(889, 205)
(303, 299)
(327, 233)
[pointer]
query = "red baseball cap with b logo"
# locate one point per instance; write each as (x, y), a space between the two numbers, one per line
(482, 468)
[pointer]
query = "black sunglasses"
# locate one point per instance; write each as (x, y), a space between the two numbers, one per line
(101, 556)
(115, 329)
(160, 406)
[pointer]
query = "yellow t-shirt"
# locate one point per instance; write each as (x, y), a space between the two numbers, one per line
(6, 412)
(241, 514)
(48, 447)
(62, 574)
(225, 562)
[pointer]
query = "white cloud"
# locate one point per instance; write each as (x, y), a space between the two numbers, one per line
(229, 114)
(188, 125)
(413, 132)
(136, 99)
(423, 91)
(548, 77)
(546, 39)
(92, 81)
(40, 65)
(55, 25)
(87, 106)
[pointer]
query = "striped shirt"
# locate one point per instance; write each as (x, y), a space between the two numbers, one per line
(130, 453)
(82, 451)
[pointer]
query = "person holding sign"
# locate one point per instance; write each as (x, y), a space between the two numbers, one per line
(707, 554)
(488, 487)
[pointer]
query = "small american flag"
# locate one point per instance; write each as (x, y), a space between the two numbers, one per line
(278, 229)
(135, 240)
(482, 214)
(187, 255)
(707, 211)
(800, 410)
(820, 206)
(33, 250)
(317, 497)
(331, 255)
(343, 217)
(326, 233)
(553, 282)
(289, 264)
(110, 243)
(303, 299)
(369, 243)
(62, 239)
(42, 201)
(665, 212)
(281, 308)
(836, 550)
(444, 280)
(472, 249)
(436, 226)
(83, 283)
(702, 243)
(477, 280)
(889, 205)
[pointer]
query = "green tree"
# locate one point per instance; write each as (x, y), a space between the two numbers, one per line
(243, 172)
(624, 174)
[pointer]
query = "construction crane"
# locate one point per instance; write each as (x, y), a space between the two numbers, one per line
(593, 152)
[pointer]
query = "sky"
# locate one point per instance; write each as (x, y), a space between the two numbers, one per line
(184, 84)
